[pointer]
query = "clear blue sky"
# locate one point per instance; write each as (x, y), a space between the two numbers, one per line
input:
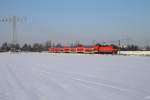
(78, 20)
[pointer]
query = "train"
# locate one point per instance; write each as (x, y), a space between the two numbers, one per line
(95, 49)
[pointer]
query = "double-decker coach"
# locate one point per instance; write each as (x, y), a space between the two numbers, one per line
(100, 49)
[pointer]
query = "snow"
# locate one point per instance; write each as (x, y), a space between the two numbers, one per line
(139, 53)
(46, 76)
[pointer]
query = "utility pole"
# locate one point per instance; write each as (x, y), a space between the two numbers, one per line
(94, 42)
(14, 33)
(13, 20)
(119, 46)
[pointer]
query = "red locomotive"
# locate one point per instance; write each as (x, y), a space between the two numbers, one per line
(97, 49)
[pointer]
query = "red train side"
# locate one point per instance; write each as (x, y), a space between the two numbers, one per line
(109, 49)
(106, 49)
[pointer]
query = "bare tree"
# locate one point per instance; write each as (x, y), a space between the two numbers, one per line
(147, 48)
(5, 47)
(47, 45)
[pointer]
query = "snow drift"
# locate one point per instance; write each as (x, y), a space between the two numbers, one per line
(138, 53)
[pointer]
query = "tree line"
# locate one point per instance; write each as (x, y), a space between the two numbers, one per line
(38, 47)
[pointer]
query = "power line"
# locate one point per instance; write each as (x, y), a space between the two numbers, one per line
(13, 20)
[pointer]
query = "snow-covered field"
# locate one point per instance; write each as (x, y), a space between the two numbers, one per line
(45, 76)
(139, 53)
